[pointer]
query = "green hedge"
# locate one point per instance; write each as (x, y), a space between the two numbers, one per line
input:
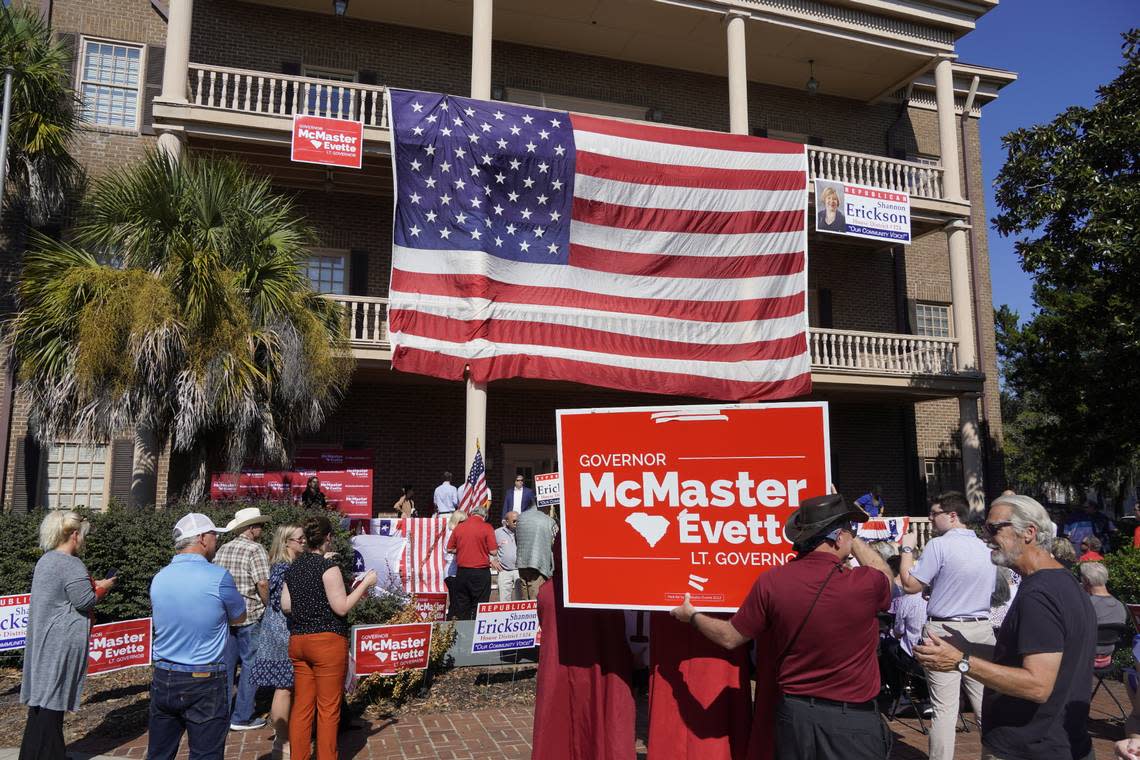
(139, 543)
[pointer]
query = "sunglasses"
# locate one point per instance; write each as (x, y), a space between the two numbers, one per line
(992, 529)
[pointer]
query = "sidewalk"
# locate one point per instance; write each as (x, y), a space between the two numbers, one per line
(497, 734)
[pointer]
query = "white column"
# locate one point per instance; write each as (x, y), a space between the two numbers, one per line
(963, 301)
(947, 129)
(972, 453)
(737, 76)
(176, 67)
(481, 16)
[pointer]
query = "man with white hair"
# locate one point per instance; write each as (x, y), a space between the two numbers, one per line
(1109, 610)
(1036, 698)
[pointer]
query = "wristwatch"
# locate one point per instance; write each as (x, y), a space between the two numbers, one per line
(907, 550)
(693, 618)
(963, 665)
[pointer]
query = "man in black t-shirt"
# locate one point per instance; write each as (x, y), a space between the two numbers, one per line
(1036, 700)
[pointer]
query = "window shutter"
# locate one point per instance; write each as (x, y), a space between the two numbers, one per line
(759, 131)
(825, 318)
(70, 41)
(155, 64)
(26, 476)
(912, 316)
(358, 273)
(815, 140)
(122, 469)
(293, 69)
(367, 77)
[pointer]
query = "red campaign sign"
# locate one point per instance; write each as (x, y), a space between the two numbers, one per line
(388, 649)
(115, 646)
(431, 607)
(332, 142)
(683, 499)
(345, 475)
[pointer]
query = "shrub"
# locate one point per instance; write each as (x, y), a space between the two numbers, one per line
(401, 687)
(1124, 574)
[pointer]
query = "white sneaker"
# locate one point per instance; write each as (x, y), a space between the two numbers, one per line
(252, 725)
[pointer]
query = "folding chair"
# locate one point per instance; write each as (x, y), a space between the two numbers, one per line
(1119, 635)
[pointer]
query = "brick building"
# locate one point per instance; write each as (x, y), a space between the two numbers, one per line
(902, 340)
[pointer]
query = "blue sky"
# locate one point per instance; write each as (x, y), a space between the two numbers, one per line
(1061, 51)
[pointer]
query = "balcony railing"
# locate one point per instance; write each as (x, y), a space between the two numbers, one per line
(264, 93)
(919, 180)
(366, 319)
(882, 353)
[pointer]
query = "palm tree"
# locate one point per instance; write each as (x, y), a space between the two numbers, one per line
(180, 312)
(44, 177)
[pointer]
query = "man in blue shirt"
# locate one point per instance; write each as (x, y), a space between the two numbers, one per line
(194, 603)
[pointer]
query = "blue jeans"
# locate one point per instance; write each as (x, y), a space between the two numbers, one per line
(242, 647)
(194, 703)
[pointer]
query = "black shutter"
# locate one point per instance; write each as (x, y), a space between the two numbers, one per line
(293, 69)
(155, 64)
(899, 153)
(358, 273)
(367, 77)
(70, 41)
(815, 140)
(825, 319)
(26, 478)
(122, 469)
(759, 131)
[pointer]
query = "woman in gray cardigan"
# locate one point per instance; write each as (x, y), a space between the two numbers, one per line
(55, 651)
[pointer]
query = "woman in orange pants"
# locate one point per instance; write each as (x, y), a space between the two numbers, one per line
(315, 600)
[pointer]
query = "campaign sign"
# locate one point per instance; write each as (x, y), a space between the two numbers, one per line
(884, 529)
(332, 142)
(431, 607)
(13, 621)
(683, 499)
(115, 646)
(860, 211)
(505, 625)
(547, 489)
(388, 649)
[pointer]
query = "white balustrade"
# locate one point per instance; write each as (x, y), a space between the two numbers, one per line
(882, 353)
(921, 527)
(365, 319)
(266, 93)
(919, 180)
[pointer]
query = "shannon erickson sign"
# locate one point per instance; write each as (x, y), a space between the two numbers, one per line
(332, 142)
(861, 211)
(683, 499)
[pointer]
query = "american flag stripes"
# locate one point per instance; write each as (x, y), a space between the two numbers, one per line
(535, 243)
(474, 491)
(426, 555)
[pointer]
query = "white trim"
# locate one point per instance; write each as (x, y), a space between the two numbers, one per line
(140, 86)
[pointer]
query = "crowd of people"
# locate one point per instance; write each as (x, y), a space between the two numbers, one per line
(994, 611)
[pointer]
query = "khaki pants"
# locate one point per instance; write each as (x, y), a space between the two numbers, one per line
(977, 640)
(530, 581)
(508, 582)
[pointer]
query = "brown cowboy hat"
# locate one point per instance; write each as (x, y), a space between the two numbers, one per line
(821, 512)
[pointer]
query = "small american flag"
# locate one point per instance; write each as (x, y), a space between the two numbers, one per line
(426, 557)
(544, 244)
(475, 492)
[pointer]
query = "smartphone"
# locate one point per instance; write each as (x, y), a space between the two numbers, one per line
(111, 573)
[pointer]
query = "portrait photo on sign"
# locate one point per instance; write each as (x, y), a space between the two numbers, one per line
(829, 202)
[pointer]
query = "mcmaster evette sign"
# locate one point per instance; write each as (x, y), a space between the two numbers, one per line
(331, 142)
(683, 499)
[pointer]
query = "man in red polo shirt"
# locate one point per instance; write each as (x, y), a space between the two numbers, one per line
(473, 543)
(820, 617)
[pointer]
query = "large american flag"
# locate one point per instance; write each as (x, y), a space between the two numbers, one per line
(426, 557)
(537, 243)
(475, 489)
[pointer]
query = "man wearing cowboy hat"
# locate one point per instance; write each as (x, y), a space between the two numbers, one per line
(820, 620)
(248, 563)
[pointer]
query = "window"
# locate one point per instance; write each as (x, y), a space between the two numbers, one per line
(109, 83)
(813, 307)
(932, 320)
(328, 271)
(324, 100)
(942, 475)
(76, 476)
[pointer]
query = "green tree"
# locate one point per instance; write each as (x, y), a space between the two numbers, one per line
(180, 311)
(1070, 194)
(44, 178)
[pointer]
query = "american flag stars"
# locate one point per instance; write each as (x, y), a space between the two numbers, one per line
(451, 154)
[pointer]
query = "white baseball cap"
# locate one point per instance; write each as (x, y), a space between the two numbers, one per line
(195, 524)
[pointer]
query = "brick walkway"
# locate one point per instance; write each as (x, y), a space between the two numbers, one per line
(505, 735)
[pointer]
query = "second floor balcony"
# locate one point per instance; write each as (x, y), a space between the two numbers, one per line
(840, 359)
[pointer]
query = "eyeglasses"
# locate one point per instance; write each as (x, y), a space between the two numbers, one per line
(934, 514)
(992, 529)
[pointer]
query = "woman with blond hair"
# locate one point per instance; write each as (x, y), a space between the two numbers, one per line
(273, 668)
(59, 624)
